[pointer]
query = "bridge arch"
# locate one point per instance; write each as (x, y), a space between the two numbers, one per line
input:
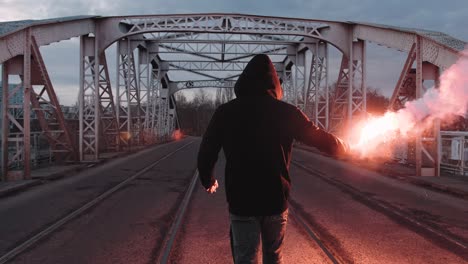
(144, 88)
(112, 29)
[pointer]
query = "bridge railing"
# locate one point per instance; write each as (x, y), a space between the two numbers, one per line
(41, 152)
(454, 152)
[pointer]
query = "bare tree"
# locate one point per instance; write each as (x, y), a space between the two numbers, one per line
(376, 102)
(201, 98)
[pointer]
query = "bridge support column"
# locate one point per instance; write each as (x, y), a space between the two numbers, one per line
(288, 88)
(172, 119)
(160, 99)
(89, 114)
(109, 121)
(357, 86)
(5, 121)
(144, 79)
(149, 84)
(405, 91)
(317, 85)
(427, 152)
(339, 97)
(349, 97)
(15, 125)
(300, 79)
(155, 100)
(27, 86)
(128, 95)
(16, 115)
(163, 110)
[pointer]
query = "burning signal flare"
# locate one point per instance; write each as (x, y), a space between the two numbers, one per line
(450, 99)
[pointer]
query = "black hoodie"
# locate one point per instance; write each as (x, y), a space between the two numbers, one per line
(256, 131)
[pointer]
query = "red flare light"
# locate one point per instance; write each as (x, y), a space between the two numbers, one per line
(177, 135)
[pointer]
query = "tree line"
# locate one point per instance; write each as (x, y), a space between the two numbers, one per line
(195, 113)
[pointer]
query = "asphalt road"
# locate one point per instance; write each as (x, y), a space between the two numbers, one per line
(130, 225)
(125, 228)
(359, 232)
(204, 235)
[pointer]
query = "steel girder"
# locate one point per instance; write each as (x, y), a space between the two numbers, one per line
(317, 90)
(48, 110)
(438, 48)
(357, 88)
(158, 122)
(211, 66)
(434, 52)
(300, 79)
(168, 27)
(108, 118)
(216, 48)
(405, 89)
(157, 77)
(97, 110)
(427, 149)
(89, 114)
(305, 81)
(163, 124)
(16, 125)
(287, 83)
(11, 45)
(206, 37)
(150, 84)
(172, 118)
(424, 149)
(189, 84)
(223, 24)
(349, 96)
(15, 129)
(129, 110)
(144, 83)
(340, 97)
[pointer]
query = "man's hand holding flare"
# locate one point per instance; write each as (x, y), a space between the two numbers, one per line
(213, 187)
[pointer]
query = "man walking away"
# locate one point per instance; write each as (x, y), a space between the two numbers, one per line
(256, 131)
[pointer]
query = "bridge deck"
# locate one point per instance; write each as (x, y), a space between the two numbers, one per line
(354, 214)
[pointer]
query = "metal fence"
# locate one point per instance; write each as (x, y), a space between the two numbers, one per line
(454, 152)
(40, 151)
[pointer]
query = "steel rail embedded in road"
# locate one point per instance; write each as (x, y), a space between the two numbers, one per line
(172, 234)
(50, 229)
(309, 230)
(388, 209)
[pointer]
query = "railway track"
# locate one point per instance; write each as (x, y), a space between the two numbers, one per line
(438, 235)
(170, 238)
(333, 255)
(50, 229)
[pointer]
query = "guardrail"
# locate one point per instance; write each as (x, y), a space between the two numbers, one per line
(454, 152)
(40, 150)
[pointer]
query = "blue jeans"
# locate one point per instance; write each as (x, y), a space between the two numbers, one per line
(245, 238)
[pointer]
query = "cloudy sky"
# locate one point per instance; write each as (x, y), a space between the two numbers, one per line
(449, 16)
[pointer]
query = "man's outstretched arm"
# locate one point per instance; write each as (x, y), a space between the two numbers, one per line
(208, 152)
(307, 132)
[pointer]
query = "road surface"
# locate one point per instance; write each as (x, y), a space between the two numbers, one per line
(338, 213)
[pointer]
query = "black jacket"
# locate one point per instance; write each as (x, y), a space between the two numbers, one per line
(256, 131)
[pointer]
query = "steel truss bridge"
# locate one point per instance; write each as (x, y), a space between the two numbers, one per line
(211, 50)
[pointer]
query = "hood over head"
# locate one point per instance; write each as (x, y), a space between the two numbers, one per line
(259, 78)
